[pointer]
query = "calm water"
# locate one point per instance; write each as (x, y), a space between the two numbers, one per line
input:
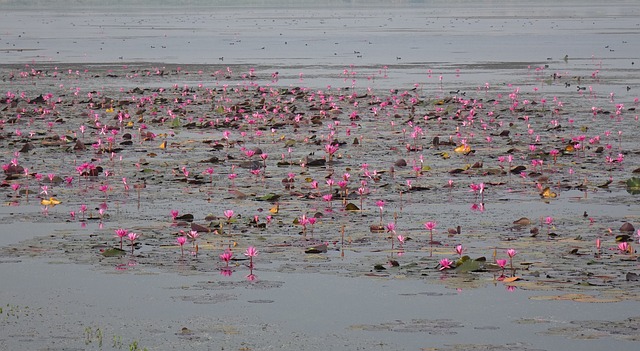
(466, 42)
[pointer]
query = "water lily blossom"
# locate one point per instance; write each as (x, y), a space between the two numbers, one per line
(181, 240)
(133, 237)
(121, 233)
(251, 252)
(226, 256)
(445, 263)
(228, 214)
(623, 247)
(511, 253)
(430, 226)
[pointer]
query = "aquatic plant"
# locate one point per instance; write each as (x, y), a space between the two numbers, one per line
(511, 253)
(180, 241)
(226, 256)
(251, 252)
(430, 226)
(380, 204)
(445, 263)
(228, 214)
(121, 233)
(548, 221)
(132, 238)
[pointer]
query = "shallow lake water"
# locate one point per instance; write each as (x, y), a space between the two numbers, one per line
(174, 98)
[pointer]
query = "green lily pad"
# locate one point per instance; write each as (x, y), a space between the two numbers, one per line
(175, 123)
(115, 252)
(268, 197)
(465, 264)
(633, 185)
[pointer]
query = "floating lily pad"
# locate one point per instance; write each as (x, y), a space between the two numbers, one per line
(633, 185)
(114, 252)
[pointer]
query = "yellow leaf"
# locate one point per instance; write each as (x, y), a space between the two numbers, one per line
(510, 279)
(548, 194)
(445, 155)
(463, 149)
(275, 209)
(52, 201)
(130, 124)
(569, 148)
(109, 110)
(163, 145)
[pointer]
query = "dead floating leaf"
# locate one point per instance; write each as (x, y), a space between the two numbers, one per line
(463, 149)
(52, 201)
(185, 217)
(200, 228)
(522, 221)
(517, 169)
(376, 228)
(548, 194)
(510, 279)
(322, 248)
(627, 227)
(623, 238)
(351, 207)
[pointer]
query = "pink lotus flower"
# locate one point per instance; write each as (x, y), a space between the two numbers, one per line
(121, 233)
(380, 205)
(430, 226)
(133, 237)
(228, 214)
(401, 239)
(623, 247)
(193, 235)
(501, 263)
(174, 214)
(226, 256)
(181, 240)
(391, 227)
(445, 263)
(251, 252)
(459, 250)
(511, 253)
